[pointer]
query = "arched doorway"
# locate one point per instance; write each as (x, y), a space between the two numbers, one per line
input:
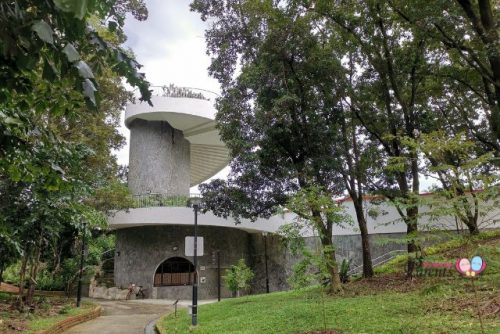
(175, 271)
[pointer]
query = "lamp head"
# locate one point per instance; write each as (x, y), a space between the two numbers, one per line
(194, 202)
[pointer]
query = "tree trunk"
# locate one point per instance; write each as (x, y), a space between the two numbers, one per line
(413, 247)
(365, 241)
(34, 272)
(472, 226)
(331, 263)
(22, 277)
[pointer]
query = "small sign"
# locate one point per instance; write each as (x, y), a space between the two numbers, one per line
(203, 280)
(189, 246)
(202, 267)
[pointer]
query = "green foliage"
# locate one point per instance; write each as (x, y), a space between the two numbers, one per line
(65, 310)
(469, 180)
(60, 104)
(292, 238)
(344, 270)
(62, 37)
(238, 277)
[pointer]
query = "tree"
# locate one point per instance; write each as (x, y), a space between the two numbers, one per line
(468, 33)
(278, 116)
(469, 181)
(385, 94)
(49, 129)
(238, 277)
(50, 49)
(356, 158)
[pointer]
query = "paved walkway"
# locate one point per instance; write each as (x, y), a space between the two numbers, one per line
(123, 317)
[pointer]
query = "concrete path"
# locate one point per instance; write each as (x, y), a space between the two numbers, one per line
(123, 317)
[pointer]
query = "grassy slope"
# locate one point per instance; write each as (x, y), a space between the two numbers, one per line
(388, 304)
(38, 323)
(46, 315)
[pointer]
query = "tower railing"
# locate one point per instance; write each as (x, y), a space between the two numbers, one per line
(184, 92)
(150, 200)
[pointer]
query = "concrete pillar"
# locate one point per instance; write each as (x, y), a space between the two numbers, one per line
(159, 159)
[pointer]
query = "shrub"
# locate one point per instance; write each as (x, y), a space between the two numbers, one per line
(238, 277)
(344, 269)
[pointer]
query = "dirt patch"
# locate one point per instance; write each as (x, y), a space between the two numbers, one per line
(487, 303)
(379, 284)
(4, 287)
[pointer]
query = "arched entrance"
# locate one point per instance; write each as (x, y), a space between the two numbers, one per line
(175, 271)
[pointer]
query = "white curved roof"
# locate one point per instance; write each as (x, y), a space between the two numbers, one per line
(161, 216)
(196, 119)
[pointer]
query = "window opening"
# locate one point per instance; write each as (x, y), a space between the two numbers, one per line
(175, 271)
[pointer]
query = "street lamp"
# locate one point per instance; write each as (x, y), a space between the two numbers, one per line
(265, 261)
(194, 202)
(79, 291)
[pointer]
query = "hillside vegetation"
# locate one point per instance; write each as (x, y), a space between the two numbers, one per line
(388, 303)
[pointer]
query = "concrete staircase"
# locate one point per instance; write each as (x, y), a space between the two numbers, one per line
(380, 260)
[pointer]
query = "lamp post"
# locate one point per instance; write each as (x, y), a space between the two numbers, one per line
(194, 202)
(265, 261)
(79, 291)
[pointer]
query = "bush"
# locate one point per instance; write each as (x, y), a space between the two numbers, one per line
(238, 277)
(344, 269)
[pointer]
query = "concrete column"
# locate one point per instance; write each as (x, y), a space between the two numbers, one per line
(159, 159)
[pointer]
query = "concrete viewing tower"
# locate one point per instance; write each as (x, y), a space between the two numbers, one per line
(173, 144)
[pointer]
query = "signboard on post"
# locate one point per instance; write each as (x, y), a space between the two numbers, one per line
(189, 246)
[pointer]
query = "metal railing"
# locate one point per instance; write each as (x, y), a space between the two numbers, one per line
(152, 200)
(378, 261)
(184, 92)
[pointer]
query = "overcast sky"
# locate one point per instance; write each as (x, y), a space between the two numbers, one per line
(170, 45)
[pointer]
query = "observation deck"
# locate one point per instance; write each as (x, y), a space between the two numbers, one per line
(190, 111)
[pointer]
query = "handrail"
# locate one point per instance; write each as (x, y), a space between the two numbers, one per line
(150, 200)
(375, 262)
(183, 92)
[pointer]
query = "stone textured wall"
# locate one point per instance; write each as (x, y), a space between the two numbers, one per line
(159, 159)
(143, 249)
(349, 246)
(279, 263)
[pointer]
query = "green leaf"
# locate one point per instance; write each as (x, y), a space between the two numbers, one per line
(84, 70)
(112, 25)
(89, 90)
(71, 53)
(44, 31)
(77, 7)
(12, 120)
(50, 71)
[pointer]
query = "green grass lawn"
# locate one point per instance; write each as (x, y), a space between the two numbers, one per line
(387, 304)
